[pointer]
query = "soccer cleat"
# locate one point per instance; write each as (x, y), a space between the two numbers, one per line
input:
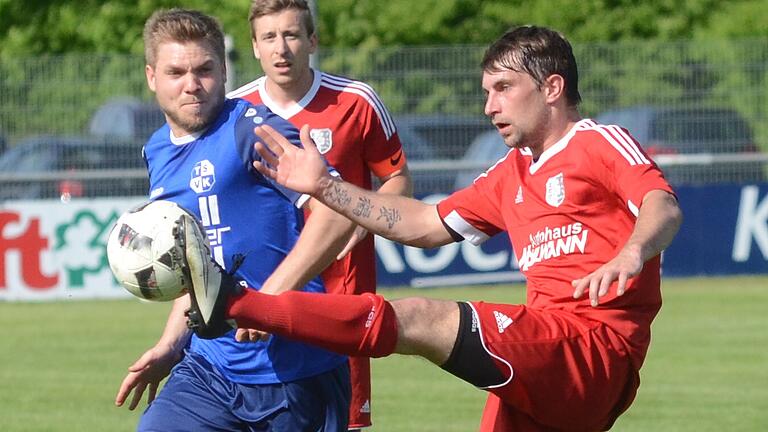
(208, 284)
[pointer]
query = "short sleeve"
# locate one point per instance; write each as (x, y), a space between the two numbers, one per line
(475, 211)
(382, 149)
(632, 171)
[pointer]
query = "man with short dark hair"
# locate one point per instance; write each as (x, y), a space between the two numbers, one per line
(587, 212)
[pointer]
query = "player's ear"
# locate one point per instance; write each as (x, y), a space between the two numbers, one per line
(313, 43)
(149, 71)
(255, 47)
(554, 87)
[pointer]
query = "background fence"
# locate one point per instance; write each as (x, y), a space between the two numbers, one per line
(74, 125)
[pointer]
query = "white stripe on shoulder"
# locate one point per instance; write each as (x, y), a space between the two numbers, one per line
(245, 89)
(602, 130)
(465, 229)
(370, 94)
(629, 143)
(366, 92)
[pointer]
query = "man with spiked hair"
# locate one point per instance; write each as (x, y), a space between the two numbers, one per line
(202, 160)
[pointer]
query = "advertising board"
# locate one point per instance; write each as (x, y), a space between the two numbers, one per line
(53, 250)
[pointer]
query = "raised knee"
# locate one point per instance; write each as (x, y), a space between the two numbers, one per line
(426, 327)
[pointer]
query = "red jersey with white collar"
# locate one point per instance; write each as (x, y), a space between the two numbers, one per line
(568, 213)
(354, 131)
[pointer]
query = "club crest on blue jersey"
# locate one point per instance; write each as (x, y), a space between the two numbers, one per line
(555, 190)
(203, 177)
(323, 139)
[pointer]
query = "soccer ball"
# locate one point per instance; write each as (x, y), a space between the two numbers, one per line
(142, 253)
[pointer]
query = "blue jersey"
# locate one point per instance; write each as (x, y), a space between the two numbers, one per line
(245, 215)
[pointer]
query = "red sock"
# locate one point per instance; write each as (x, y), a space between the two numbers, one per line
(356, 325)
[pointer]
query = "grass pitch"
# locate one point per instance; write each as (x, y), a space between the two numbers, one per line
(707, 369)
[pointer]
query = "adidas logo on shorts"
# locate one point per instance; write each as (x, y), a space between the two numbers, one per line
(502, 321)
(366, 408)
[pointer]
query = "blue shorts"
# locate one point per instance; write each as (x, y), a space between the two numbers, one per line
(197, 397)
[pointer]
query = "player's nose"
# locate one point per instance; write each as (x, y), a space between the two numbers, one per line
(192, 83)
(281, 47)
(491, 106)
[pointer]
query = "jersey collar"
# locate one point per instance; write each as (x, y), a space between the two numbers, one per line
(557, 147)
(294, 108)
(185, 139)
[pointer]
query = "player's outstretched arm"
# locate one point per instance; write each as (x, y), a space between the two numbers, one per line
(397, 218)
(397, 183)
(657, 224)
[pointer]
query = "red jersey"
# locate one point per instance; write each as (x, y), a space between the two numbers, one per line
(568, 213)
(354, 131)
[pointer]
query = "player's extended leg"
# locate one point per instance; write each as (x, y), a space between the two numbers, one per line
(362, 325)
(366, 326)
(443, 332)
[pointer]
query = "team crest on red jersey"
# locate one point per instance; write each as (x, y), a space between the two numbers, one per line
(323, 139)
(555, 190)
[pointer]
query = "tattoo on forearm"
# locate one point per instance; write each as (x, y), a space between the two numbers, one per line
(336, 195)
(363, 208)
(391, 216)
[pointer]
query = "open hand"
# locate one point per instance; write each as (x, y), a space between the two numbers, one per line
(147, 372)
(627, 264)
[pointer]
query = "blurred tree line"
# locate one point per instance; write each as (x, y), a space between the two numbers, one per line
(362, 38)
(35, 27)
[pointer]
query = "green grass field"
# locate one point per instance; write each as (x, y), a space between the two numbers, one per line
(707, 370)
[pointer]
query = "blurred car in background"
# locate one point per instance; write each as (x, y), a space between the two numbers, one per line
(106, 163)
(42, 167)
(439, 136)
(688, 131)
(443, 138)
(482, 153)
(127, 119)
(662, 132)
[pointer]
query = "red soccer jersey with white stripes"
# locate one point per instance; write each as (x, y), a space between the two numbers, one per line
(353, 129)
(566, 214)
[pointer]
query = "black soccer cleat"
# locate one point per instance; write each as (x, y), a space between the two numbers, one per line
(208, 284)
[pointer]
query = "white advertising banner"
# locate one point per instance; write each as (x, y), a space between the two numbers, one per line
(51, 250)
(54, 250)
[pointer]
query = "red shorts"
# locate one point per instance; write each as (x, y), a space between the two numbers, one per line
(562, 372)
